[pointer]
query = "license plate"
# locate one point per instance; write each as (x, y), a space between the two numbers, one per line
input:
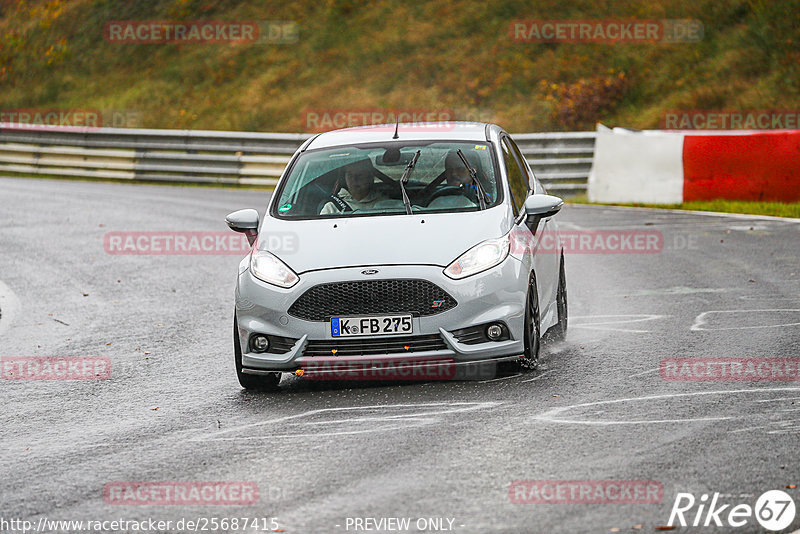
(371, 326)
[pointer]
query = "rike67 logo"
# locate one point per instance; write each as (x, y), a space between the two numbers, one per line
(774, 510)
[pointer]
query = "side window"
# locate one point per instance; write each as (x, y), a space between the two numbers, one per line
(517, 177)
(526, 170)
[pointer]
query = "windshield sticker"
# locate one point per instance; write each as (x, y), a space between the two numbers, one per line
(339, 155)
(480, 147)
(285, 207)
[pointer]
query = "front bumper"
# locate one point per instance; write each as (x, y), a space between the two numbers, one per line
(496, 295)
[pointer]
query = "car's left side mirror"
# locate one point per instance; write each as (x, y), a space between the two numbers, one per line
(245, 221)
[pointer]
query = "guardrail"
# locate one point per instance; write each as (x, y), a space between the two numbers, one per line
(562, 161)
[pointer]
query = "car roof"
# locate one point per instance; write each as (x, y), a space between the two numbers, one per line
(406, 131)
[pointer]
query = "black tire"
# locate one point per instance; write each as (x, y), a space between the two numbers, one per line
(532, 330)
(268, 382)
(531, 337)
(559, 331)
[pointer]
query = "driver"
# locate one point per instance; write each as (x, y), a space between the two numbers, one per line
(457, 175)
(359, 191)
(455, 172)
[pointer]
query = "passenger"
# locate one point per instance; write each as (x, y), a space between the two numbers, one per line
(359, 191)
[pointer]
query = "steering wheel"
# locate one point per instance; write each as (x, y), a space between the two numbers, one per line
(447, 191)
(334, 198)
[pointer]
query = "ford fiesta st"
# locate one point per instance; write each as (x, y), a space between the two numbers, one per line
(397, 243)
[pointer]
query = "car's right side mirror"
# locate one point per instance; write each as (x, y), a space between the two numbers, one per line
(542, 206)
(538, 207)
(244, 221)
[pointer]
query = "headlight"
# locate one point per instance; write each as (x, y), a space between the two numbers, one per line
(267, 267)
(482, 256)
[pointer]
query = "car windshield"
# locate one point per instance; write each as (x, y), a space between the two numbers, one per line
(363, 180)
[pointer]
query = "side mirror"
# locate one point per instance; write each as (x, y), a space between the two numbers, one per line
(542, 206)
(245, 221)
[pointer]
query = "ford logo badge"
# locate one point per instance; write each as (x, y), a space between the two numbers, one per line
(369, 271)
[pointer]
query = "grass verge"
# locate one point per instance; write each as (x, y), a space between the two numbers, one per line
(775, 209)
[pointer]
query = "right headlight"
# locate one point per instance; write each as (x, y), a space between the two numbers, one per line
(267, 267)
(479, 258)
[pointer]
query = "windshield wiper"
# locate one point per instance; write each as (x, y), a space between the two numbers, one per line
(474, 175)
(404, 181)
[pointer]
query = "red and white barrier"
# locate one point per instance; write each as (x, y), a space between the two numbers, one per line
(670, 167)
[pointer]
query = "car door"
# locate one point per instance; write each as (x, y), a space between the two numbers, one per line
(544, 258)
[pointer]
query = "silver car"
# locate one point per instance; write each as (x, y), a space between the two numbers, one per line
(398, 251)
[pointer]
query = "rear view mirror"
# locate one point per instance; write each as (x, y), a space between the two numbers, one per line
(245, 221)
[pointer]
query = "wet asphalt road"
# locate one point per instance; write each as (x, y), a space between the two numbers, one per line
(321, 453)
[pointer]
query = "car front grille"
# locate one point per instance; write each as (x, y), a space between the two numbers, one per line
(371, 297)
(375, 346)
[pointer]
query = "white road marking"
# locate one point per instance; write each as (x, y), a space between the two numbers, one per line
(778, 399)
(553, 415)
(792, 430)
(500, 378)
(746, 429)
(679, 290)
(397, 421)
(9, 307)
(538, 377)
(749, 228)
(420, 422)
(769, 297)
(700, 321)
(644, 373)
(614, 320)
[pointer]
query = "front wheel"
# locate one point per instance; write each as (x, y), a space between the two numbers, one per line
(529, 360)
(268, 382)
(532, 332)
(559, 331)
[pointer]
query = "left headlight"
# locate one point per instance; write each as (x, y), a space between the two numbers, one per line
(481, 257)
(267, 267)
